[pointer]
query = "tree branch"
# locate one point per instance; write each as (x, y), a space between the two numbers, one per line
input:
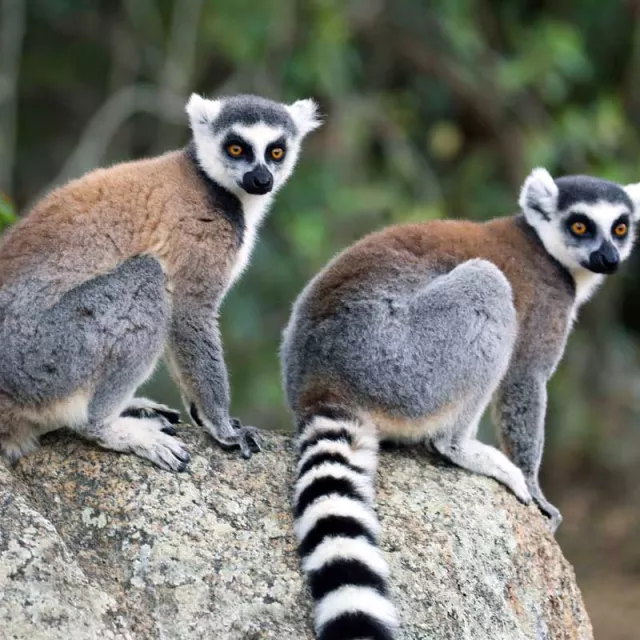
(179, 64)
(145, 18)
(104, 124)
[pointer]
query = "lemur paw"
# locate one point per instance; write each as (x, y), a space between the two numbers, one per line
(166, 452)
(231, 435)
(144, 408)
(150, 438)
(548, 510)
(249, 438)
(519, 487)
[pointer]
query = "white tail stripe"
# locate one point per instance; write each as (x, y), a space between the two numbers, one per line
(351, 599)
(330, 446)
(336, 506)
(361, 482)
(340, 548)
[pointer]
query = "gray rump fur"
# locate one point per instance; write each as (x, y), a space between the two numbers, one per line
(409, 346)
(109, 329)
(85, 355)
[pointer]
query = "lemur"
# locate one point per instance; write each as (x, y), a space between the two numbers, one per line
(408, 335)
(114, 268)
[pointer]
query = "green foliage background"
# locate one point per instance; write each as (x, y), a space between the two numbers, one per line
(7, 214)
(433, 109)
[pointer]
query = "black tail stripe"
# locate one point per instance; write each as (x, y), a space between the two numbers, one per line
(341, 572)
(345, 526)
(326, 434)
(328, 456)
(326, 485)
(355, 625)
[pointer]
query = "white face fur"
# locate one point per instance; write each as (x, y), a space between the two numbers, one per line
(586, 224)
(249, 145)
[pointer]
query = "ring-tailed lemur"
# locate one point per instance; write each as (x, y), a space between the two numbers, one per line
(408, 335)
(111, 269)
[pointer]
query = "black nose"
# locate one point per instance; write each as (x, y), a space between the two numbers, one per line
(605, 260)
(258, 181)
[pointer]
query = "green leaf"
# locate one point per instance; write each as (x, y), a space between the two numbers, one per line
(7, 213)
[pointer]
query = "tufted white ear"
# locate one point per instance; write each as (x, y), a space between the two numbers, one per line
(202, 112)
(538, 196)
(633, 191)
(305, 115)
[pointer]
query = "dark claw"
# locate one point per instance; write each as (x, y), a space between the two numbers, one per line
(184, 457)
(249, 438)
(169, 430)
(548, 510)
(246, 438)
(195, 416)
(182, 467)
(255, 442)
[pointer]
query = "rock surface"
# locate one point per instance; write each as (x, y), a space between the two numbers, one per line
(99, 545)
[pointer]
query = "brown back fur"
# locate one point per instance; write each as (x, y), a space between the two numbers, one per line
(157, 206)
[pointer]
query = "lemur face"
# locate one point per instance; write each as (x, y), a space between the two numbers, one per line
(248, 144)
(585, 223)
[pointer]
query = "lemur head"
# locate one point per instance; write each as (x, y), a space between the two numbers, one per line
(247, 144)
(586, 224)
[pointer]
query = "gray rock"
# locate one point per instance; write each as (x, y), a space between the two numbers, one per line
(99, 545)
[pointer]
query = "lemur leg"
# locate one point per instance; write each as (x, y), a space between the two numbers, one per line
(135, 425)
(115, 420)
(480, 331)
(196, 361)
(519, 412)
(458, 445)
(88, 354)
(429, 356)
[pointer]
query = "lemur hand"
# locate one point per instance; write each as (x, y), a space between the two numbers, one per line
(249, 438)
(230, 433)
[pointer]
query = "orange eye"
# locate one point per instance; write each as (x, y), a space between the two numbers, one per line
(235, 150)
(277, 153)
(579, 228)
(621, 229)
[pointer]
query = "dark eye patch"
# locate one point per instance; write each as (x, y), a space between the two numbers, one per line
(247, 149)
(623, 219)
(280, 143)
(591, 228)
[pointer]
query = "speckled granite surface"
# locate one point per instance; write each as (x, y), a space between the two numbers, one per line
(99, 545)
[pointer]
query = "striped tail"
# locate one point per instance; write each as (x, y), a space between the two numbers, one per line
(338, 530)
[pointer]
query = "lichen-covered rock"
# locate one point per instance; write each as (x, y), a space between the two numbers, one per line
(99, 545)
(44, 594)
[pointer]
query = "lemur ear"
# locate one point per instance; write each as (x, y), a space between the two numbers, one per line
(305, 115)
(539, 195)
(202, 112)
(633, 191)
